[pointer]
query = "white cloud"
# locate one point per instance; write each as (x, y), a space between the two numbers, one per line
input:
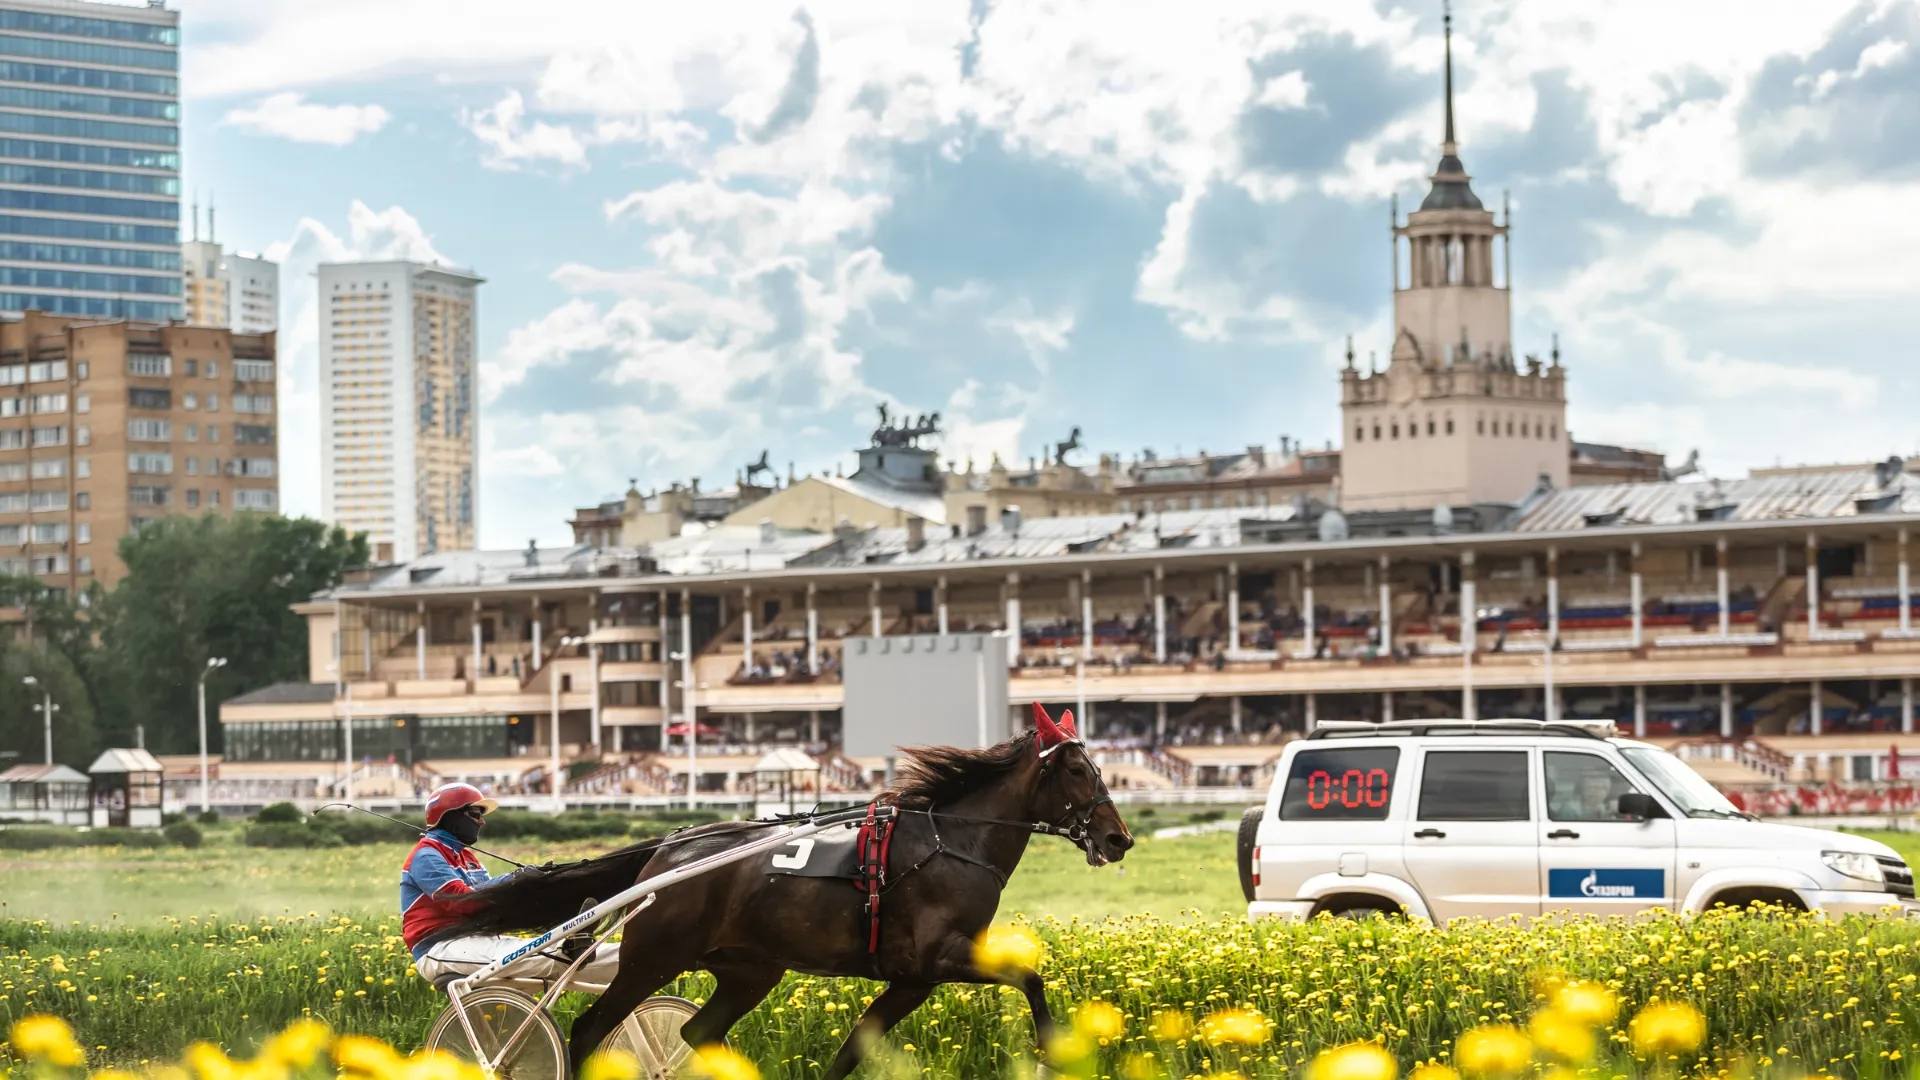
(1042, 336)
(288, 115)
(510, 142)
(1286, 91)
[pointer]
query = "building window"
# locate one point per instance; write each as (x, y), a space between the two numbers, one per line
(1509, 427)
(213, 433)
(213, 403)
(192, 369)
(1449, 425)
(1359, 433)
(81, 368)
(213, 369)
(85, 563)
(83, 467)
(82, 501)
(83, 435)
(149, 365)
(1553, 431)
(213, 498)
(253, 370)
(149, 495)
(85, 533)
(1376, 432)
(193, 498)
(159, 464)
(1429, 428)
(141, 398)
(193, 432)
(83, 403)
(50, 436)
(150, 430)
(193, 466)
(189, 400)
(1480, 425)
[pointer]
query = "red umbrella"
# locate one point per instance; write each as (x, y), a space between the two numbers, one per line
(681, 729)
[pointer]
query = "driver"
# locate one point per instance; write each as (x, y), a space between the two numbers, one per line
(1592, 798)
(441, 869)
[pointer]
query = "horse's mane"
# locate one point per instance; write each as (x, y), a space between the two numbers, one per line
(933, 775)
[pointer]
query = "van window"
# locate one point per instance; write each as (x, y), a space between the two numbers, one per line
(1474, 785)
(1351, 784)
(1583, 787)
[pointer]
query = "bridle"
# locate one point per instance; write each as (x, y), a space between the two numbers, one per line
(1078, 819)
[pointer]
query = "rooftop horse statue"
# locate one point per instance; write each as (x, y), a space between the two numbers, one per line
(962, 821)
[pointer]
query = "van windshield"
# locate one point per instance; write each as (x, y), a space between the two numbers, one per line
(1694, 796)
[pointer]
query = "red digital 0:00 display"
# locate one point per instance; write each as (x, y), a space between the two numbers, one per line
(1351, 789)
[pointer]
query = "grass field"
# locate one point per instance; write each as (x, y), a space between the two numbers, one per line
(146, 951)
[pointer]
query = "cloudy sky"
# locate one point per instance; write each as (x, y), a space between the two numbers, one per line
(714, 228)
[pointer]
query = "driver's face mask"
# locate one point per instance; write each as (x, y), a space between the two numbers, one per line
(463, 824)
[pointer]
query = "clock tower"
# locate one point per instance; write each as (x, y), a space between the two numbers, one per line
(1452, 420)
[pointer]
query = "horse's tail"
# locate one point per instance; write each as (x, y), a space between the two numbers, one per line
(544, 899)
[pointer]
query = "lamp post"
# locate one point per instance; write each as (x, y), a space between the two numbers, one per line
(214, 663)
(685, 660)
(553, 685)
(46, 710)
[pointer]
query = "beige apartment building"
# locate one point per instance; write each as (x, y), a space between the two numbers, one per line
(399, 405)
(107, 426)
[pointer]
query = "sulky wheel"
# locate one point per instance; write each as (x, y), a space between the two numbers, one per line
(499, 1015)
(651, 1033)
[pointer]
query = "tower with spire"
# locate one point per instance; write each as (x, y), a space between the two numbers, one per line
(1453, 420)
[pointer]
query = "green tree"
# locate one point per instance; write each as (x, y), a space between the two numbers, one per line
(54, 644)
(201, 587)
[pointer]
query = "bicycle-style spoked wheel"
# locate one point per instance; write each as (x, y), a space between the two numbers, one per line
(651, 1033)
(498, 1016)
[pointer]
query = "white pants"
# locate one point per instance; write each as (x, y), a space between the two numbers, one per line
(463, 956)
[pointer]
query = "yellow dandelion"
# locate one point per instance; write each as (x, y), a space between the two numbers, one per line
(1354, 1061)
(208, 1062)
(1170, 1025)
(46, 1038)
(721, 1063)
(611, 1065)
(437, 1065)
(367, 1057)
(1433, 1070)
(1586, 1003)
(299, 1044)
(1493, 1050)
(1099, 1020)
(1667, 1027)
(1248, 1027)
(1008, 949)
(1560, 1035)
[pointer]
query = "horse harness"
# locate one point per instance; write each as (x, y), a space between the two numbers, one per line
(876, 838)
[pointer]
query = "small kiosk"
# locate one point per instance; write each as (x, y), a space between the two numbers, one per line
(785, 781)
(49, 794)
(126, 789)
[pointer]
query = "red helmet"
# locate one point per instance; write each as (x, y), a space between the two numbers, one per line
(454, 796)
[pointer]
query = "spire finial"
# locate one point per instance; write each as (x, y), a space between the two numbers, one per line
(1349, 352)
(1446, 23)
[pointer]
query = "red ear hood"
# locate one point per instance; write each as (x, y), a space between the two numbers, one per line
(1050, 733)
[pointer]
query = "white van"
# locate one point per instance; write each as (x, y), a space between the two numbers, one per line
(1444, 819)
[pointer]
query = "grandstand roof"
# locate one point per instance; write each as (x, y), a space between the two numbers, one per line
(1840, 493)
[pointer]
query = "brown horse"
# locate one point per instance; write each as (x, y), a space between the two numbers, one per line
(964, 820)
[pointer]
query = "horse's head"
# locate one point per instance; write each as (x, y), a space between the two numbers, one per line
(1072, 794)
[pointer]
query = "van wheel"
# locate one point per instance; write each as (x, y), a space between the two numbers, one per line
(1359, 906)
(1249, 832)
(1742, 898)
(1362, 913)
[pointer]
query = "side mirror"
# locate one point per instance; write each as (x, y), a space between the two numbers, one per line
(1640, 807)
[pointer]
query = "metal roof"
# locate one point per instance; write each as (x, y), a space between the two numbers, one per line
(1803, 496)
(41, 774)
(286, 693)
(124, 760)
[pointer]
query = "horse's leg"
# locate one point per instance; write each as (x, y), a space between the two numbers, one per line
(954, 963)
(891, 1007)
(642, 972)
(737, 991)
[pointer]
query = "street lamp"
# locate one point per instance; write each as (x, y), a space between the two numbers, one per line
(214, 663)
(553, 684)
(46, 709)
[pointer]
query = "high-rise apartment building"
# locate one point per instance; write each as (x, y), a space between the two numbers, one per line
(105, 426)
(90, 159)
(399, 405)
(236, 291)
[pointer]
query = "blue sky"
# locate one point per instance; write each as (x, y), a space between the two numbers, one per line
(742, 225)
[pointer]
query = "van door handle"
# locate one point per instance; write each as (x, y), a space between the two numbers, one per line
(1435, 833)
(1563, 834)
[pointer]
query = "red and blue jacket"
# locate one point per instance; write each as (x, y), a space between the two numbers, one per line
(437, 871)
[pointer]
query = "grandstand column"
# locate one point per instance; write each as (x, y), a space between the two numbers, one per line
(1469, 637)
(475, 670)
(1234, 713)
(535, 664)
(1814, 711)
(940, 598)
(746, 628)
(1640, 711)
(813, 631)
(1813, 589)
(1906, 706)
(1720, 585)
(1159, 616)
(593, 681)
(666, 672)
(1906, 595)
(873, 598)
(1306, 613)
(1313, 719)
(1726, 710)
(1386, 706)
(1233, 609)
(1634, 599)
(813, 727)
(420, 641)
(1159, 722)
(1553, 596)
(1086, 614)
(1013, 619)
(1386, 611)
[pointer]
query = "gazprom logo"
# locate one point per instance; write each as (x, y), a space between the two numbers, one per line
(1607, 884)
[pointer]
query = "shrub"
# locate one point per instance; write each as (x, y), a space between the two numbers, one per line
(280, 813)
(287, 834)
(182, 834)
(42, 838)
(208, 818)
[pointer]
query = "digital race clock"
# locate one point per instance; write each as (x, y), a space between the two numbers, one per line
(1340, 784)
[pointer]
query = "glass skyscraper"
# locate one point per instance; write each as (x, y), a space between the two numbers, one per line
(90, 159)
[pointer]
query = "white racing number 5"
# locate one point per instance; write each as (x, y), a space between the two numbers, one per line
(802, 851)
